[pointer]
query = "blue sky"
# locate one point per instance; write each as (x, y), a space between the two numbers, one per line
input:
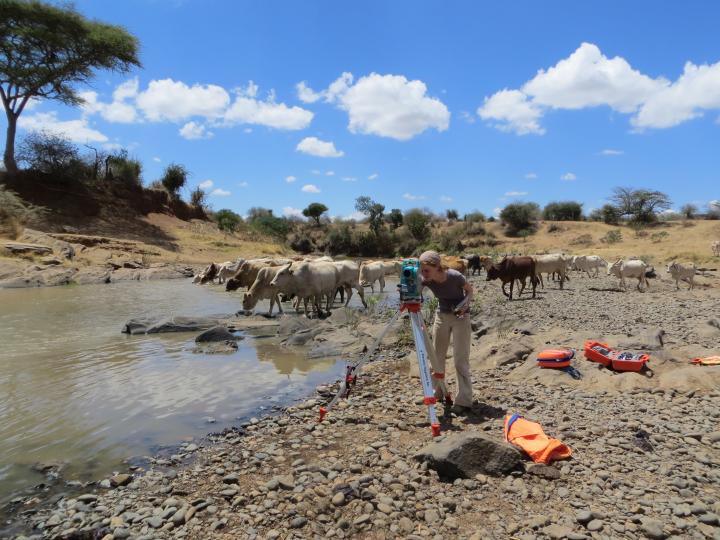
(466, 105)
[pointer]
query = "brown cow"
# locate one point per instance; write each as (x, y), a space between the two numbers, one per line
(512, 268)
(456, 263)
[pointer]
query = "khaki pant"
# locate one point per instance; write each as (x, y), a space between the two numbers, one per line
(445, 326)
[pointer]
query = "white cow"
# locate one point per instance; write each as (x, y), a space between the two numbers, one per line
(554, 262)
(308, 281)
(370, 272)
(716, 248)
(228, 269)
(248, 271)
(633, 268)
(262, 289)
(682, 271)
(585, 263)
(349, 279)
(392, 268)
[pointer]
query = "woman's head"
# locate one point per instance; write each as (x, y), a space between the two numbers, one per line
(431, 265)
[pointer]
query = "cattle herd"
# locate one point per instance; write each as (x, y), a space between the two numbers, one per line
(315, 282)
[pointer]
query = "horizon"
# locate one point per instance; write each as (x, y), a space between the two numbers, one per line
(466, 107)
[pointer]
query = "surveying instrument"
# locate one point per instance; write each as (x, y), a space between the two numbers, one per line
(410, 302)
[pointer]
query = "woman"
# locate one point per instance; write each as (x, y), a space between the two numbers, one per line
(450, 288)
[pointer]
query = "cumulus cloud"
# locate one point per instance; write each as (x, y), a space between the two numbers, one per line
(310, 188)
(411, 197)
(445, 198)
(385, 105)
(193, 130)
(349, 179)
(696, 90)
(247, 109)
(496, 212)
(516, 193)
(171, 100)
(289, 211)
(329, 173)
(568, 177)
(220, 193)
(156, 159)
(78, 131)
(587, 78)
(206, 184)
(355, 216)
(373, 176)
(531, 176)
(306, 94)
(315, 147)
(611, 152)
(290, 179)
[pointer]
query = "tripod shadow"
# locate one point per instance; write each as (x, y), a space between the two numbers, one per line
(479, 414)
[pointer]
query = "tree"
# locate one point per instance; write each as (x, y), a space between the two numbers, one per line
(198, 197)
(451, 215)
(46, 50)
(227, 220)
(373, 210)
(395, 218)
(639, 205)
(174, 178)
(563, 211)
(50, 154)
(257, 212)
(689, 210)
(520, 218)
(417, 223)
(315, 210)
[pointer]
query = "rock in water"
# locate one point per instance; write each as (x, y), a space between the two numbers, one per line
(174, 324)
(214, 334)
(468, 454)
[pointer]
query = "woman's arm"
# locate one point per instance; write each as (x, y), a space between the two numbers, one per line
(468, 288)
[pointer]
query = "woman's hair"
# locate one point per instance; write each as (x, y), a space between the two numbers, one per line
(432, 258)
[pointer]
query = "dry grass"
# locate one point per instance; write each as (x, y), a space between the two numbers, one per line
(683, 241)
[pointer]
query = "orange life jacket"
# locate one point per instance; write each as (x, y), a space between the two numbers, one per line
(707, 361)
(530, 437)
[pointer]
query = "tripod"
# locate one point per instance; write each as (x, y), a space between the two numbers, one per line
(419, 334)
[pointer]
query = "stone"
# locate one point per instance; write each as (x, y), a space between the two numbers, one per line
(155, 522)
(298, 522)
(215, 334)
(468, 454)
(431, 516)
(230, 479)
(17, 248)
(148, 325)
(120, 480)
(653, 529)
(87, 498)
(338, 499)
(543, 471)
(595, 525)
(406, 525)
(556, 531)
(361, 520)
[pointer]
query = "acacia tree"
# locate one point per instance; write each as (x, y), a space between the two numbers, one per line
(46, 50)
(373, 210)
(315, 210)
(640, 205)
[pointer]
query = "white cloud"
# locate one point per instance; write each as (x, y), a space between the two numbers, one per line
(330, 173)
(171, 100)
(568, 177)
(193, 130)
(246, 109)
(411, 197)
(289, 211)
(315, 172)
(316, 147)
(156, 159)
(118, 111)
(531, 176)
(496, 212)
(373, 176)
(513, 111)
(247, 130)
(445, 198)
(349, 179)
(611, 152)
(385, 105)
(305, 94)
(516, 193)
(243, 184)
(587, 78)
(714, 205)
(219, 193)
(696, 90)
(310, 188)
(78, 131)
(206, 184)
(290, 179)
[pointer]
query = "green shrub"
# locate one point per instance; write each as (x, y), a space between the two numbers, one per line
(227, 220)
(174, 178)
(563, 211)
(520, 219)
(417, 222)
(198, 198)
(339, 240)
(582, 240)
(271, 225)
(53, 155)
(395, 218)
(659, 236)
(474, 217)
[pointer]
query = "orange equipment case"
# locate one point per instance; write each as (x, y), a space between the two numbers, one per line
(555, 358)
(602, 353)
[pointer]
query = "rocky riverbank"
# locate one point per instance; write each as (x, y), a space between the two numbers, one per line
(646, 451)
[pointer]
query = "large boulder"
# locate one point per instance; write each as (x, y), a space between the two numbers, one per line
(468, 454)
(148, 325)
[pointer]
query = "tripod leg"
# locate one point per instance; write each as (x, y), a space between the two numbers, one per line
(424, 368)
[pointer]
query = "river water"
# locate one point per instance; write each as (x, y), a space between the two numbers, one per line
(74, 389)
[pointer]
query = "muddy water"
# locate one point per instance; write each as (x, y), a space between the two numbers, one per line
(73, 389)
